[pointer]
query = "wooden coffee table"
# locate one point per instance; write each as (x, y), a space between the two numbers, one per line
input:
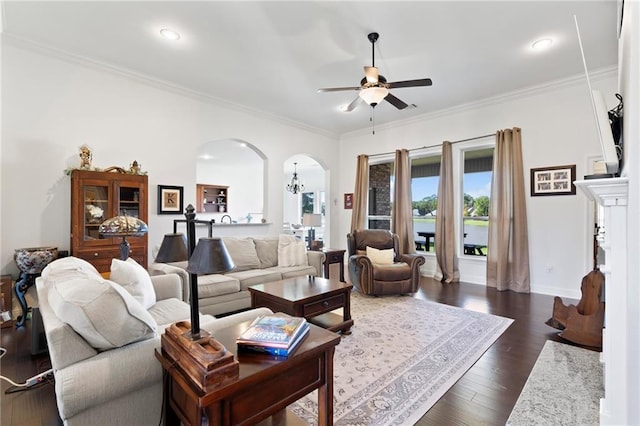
(310, 297)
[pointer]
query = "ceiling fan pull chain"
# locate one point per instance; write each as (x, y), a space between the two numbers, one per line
(372, 119)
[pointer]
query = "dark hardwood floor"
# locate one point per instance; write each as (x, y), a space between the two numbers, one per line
(485, 395)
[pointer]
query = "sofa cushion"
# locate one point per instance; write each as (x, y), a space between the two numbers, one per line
(255, 276)
(243, 253)
(291, 251)
(295, 271)
(394, 272)
(102, 312)
(67, 268)
(216, 285)
(169, 311)
(267, 249)
(135, 279)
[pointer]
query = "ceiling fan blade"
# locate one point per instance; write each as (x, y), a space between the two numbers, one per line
(395, 101)
(353, 104)
(410, 83)
(371, 73)
(338, 89)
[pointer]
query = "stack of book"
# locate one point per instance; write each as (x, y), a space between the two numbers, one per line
(277, 334)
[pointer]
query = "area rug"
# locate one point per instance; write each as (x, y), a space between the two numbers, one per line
(402, 356)
(564, 388)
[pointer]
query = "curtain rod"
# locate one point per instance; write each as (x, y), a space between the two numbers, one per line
(431, 146)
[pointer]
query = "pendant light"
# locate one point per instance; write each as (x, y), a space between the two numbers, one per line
(295, 186)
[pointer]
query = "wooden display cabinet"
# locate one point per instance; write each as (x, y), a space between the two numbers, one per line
(212, 198)
(97, 196)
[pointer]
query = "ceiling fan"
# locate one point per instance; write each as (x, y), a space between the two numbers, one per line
(374, 87)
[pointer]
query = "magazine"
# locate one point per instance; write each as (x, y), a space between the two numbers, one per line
(274, 350)
(277, 331)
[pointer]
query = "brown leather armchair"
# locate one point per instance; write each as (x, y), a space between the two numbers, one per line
(403, 276)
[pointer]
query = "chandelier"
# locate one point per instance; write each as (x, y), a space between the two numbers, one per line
(295, 186)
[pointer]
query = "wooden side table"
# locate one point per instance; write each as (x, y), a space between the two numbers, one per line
(333, 256)
(265, 386)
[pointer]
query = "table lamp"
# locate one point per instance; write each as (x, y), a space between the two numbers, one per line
(123, 226)
(173, 249)
(205, 360)
(310, 220)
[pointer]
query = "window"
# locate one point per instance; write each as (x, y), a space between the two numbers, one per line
(476, 192)
(380, 195)
(472, 169)
(307, 202)
(425, 178)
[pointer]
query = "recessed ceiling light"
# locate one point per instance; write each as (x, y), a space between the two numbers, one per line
(169, 34)
(543, 43)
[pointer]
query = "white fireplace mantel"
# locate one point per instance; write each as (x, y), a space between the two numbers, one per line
(612, 194)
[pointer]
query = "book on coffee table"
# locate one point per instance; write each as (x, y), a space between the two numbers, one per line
(270, 332)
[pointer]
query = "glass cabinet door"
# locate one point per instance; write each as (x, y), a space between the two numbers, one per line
(129, 201)
(96, 207)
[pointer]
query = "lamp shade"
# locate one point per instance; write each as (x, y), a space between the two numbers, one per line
(173, 249)
(312, 219)
(210, 257)
(373, 95)
(123, 226)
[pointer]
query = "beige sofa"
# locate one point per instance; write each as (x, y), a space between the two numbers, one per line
(257, 260)
(102, 376)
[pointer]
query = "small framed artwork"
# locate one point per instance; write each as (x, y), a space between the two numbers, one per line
(348, 201)
(170, 199)
(553, 181)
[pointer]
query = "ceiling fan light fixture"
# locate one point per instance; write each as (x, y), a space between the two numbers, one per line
(373, 95)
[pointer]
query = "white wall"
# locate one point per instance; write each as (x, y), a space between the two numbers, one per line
(557, 129)
(52, 105)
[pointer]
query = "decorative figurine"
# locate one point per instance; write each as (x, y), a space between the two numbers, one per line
(85, 157)
(134, 168)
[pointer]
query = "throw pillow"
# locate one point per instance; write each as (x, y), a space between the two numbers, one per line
(380, 257)
(243, 253)
(135, 279)
(102, 312)
(291, 251)
(67, 268)
(267, 249)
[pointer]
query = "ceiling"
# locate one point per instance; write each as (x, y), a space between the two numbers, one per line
(273, 56)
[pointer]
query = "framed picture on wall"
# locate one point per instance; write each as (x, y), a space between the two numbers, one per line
(553, 180)
(348, 201)
(170, 199)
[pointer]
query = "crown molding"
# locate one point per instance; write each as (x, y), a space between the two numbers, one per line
(596, 75)
(553, 85)
(148, 80)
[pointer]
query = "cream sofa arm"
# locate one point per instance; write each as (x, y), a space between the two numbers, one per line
(166, 268)
(103, 378)
(167, 286)
(316, 259)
